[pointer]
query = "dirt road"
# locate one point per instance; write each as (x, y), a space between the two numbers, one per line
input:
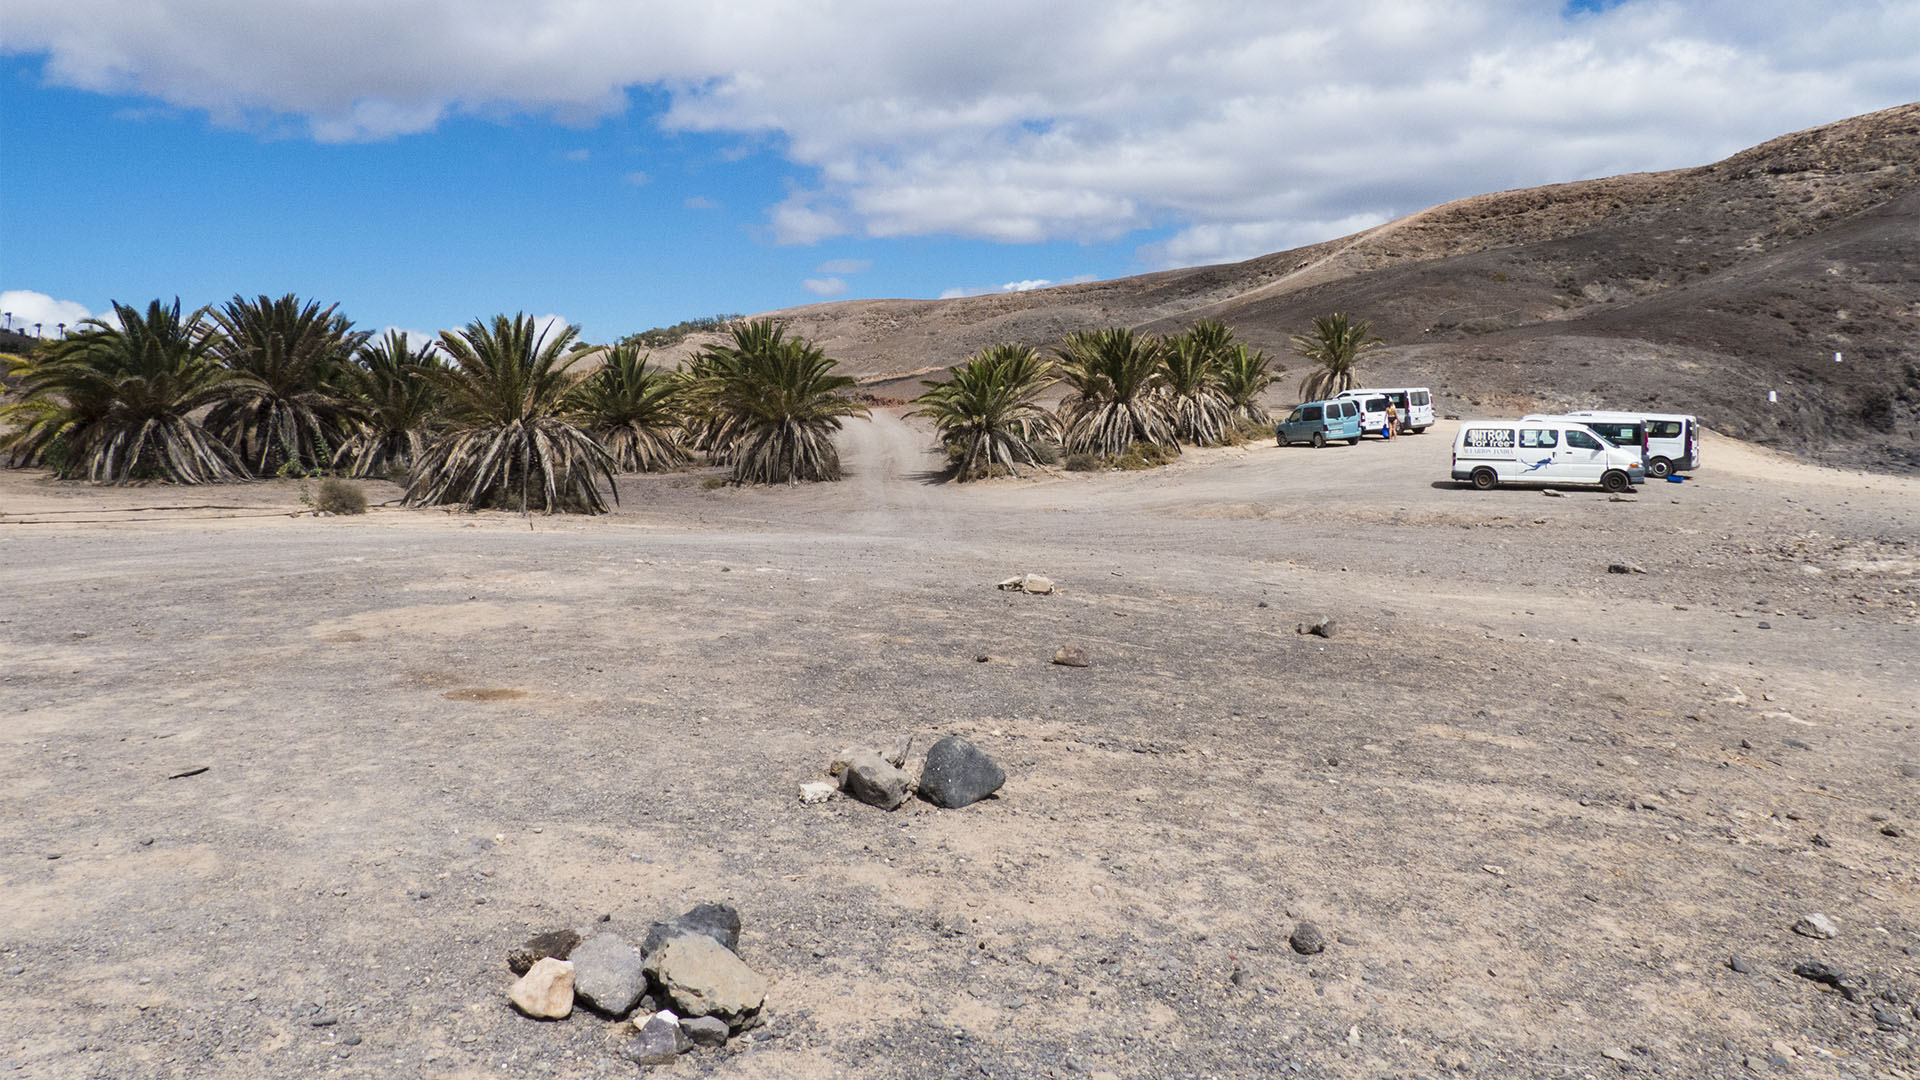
(1535, 806)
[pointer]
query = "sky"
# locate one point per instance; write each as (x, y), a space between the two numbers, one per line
(622, 165)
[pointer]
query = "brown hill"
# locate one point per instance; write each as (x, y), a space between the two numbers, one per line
(1696, 290)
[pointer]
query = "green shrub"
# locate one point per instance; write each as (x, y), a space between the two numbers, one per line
(338, 496)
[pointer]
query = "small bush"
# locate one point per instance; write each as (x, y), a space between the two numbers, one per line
(1152, 453)
(1046, 453)
(1085, 461)
(1130, 462)
(339, 496)
(714, 483)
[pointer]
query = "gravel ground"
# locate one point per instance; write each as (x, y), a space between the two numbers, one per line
(1535, 807)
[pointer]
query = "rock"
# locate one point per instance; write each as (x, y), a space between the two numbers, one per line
(896, 755)
(1890, 829)
(657, 1042)
(1323, 629)
(1910, 771)
(1816, 925)
(866, 776)
(1551, 494)
(1307, 939)
(701, 977)
(558, 944)
(1889, 1019)
(609, 975)
(1740, 965)
(545, 992)
(1765, 625)
(957, 773)
(324, 1020)
(1625, 568)
(1617, 1056)
(817, 791)
(1815, 971)
(1070, 656)
(705, 1030)
(721, 922)
(1028, 583)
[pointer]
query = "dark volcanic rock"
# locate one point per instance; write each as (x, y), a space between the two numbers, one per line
(558, 944)
(957, 773)
(721, 922)
(1307, 939)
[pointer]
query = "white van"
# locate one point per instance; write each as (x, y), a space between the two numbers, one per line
(1545, 452)
(1414, 404)
(1373, 412)
(1672, 442)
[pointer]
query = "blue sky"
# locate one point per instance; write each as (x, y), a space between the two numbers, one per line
(623, 167)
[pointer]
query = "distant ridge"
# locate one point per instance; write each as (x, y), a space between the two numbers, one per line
(1696, 290)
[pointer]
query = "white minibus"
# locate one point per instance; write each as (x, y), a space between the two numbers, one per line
(1541, 452)
(1672, 442)
(1413, 403)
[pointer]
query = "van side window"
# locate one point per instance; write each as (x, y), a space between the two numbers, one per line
(1349, 408)
(1420, 397)
(1311, 412)
(1663, 429)
(1582, 440)
(1536, 438)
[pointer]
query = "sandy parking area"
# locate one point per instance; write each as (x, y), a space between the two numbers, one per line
(1535, 806)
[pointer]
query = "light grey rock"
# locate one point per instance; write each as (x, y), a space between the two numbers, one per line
(656, 1042)
(702, 977)
(816, 791)
(609, 975)
(866, 776)
(1816, 925)
(705, 1030)
(1071, 656)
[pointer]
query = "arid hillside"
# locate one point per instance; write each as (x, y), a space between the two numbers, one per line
(1697, 290)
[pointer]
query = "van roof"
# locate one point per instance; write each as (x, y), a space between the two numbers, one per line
(1581, 418)
(1358, 390)
(1622, 414)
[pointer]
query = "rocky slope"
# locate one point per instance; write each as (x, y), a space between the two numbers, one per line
(1697, 290)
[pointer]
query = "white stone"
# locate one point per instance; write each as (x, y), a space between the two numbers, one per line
(818, 791)
(545, 992)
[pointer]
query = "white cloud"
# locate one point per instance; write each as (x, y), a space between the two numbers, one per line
(1231, 125)
(637, 178)
(579, 155)
(831, 286)
(24, 308)
(700, 202)
(844, 266)
(1027, 285)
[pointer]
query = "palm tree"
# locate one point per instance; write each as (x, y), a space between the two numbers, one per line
(1244, 376)
(1336, 344)
(287, 409)
(1195, 406)
(507, 442)
(117, 403)
(986, 412)
(774, 404)
(631, 409)
(1116, 379)
(397, 402)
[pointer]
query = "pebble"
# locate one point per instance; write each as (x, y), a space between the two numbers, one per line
(324, 1020)
(1071, 656)
(1740, 965)
(351, 1040)
(1307, 939)
(1816, 925)
(17, 969)
(817, 791)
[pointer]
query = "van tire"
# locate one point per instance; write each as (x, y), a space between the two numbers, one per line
(1484, 479)
(1355, 441)
(1659, 468)
(1615, 481)
(1319, 440)
(1279, 438)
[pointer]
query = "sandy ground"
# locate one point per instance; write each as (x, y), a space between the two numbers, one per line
(1535, 806)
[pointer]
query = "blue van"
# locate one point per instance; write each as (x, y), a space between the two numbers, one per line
(1315, 422)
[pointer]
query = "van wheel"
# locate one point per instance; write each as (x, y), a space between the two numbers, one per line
(1279, 438)
(1615, 481)
(1319, 440)
(1355, 441)
(1484, 479)
(1659, 467)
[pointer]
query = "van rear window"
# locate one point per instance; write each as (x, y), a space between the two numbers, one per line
(1420, 397)
(1663, 429)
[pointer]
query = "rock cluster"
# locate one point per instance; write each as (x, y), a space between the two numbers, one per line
(954, 773)
(1028, 583)
(683, 986)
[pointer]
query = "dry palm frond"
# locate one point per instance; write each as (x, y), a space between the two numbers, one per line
(631, 409)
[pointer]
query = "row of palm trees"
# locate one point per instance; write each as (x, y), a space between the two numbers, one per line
(501, 413)
(1124, 389)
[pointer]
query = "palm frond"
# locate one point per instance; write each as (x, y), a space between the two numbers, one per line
(986, 413)
(1336, 346)
(1116, 377)
(771, 405)
(285, 406)
(633, 410)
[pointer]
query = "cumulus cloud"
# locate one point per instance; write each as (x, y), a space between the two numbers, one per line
(1027, 285)
(844, 266)
(831, 286)
(24, 308)
(637, 178)
(1228, 125)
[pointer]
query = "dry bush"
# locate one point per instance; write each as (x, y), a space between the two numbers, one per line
(337, 496)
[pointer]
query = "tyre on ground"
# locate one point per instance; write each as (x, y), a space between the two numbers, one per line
(1319, 440)
(1484, 479)
(1615, 481)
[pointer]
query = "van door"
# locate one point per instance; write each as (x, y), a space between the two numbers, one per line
(1581, 458)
